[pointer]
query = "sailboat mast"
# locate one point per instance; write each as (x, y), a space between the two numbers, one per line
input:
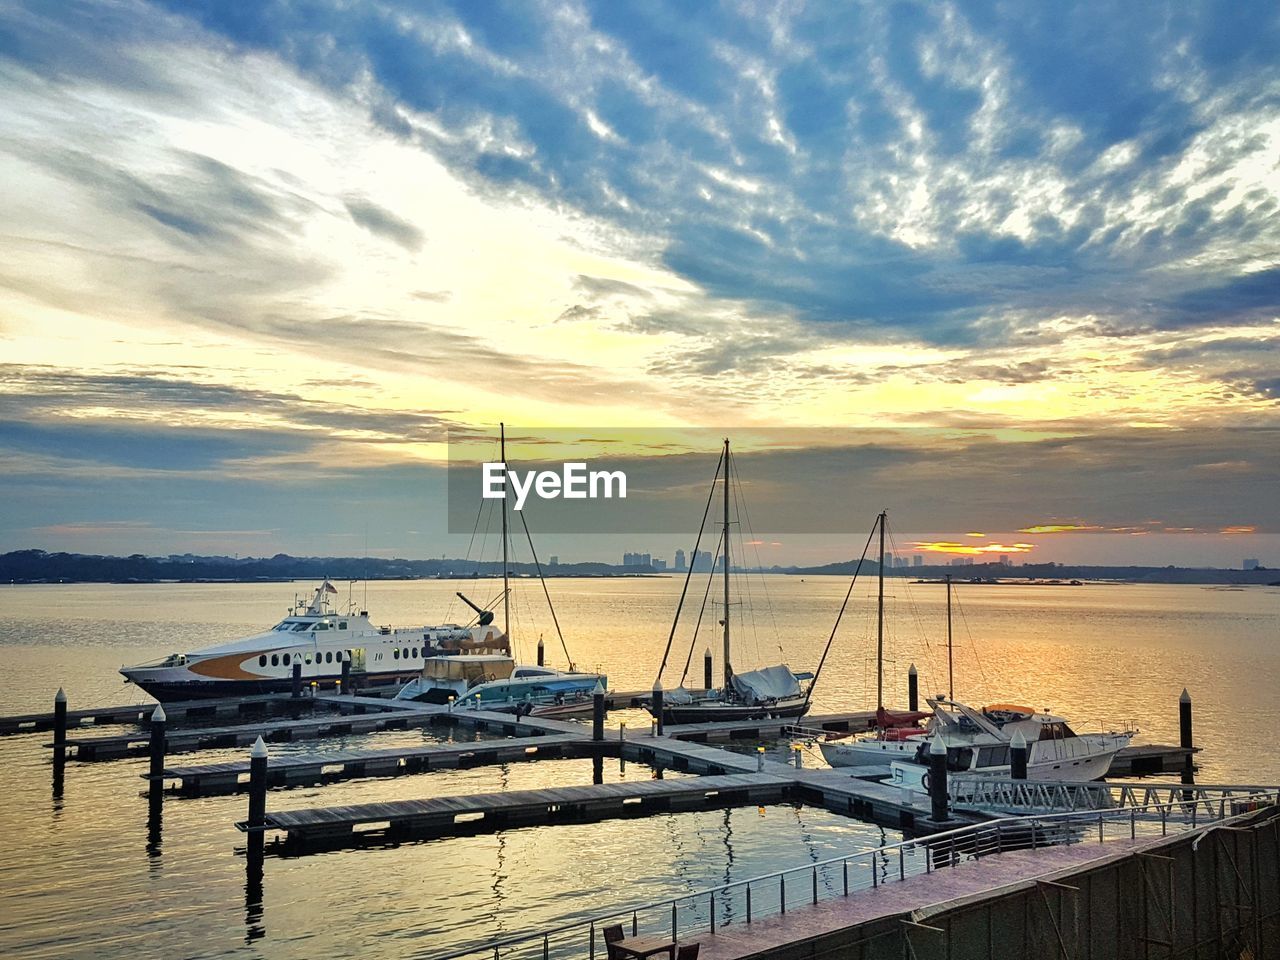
(506, 594)
(880, 622)
(951, 675)
(728, 670)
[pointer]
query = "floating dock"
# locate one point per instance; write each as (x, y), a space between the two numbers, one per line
(449, 816)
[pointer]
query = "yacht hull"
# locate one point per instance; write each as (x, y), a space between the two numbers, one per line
(171, 691)
(867, 753)
(725, 712)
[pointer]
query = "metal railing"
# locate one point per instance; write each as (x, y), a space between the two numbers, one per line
(1012, 796)
(772, 894)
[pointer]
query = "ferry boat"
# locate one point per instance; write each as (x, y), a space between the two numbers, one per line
(314, 635)
(978, 742)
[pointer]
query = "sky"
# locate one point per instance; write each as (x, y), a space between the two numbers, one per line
(260, 260)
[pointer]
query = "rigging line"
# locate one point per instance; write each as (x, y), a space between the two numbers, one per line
(836, 626)
(711, 577)
(972, 645)
(764, 583)
(683, 590)
(743, 578)
(550, 606)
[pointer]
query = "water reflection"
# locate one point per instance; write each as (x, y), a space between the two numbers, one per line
(155, 822)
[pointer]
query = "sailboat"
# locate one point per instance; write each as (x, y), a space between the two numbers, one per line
(490, 678)
(773, 691)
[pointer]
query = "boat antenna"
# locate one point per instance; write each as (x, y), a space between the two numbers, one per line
(506, 591)
(836, 626)
(728, 670)
(541, 579)
(880, 622)
(689, 573)
(951, 670)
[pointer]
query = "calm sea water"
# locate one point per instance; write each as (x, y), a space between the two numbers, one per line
(79, 877)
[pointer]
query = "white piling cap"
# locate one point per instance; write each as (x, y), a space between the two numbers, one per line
(61, 697)
(936, 746)
(657, 686)
(157, 715)
(539, 641)
(707, 653)
(599, 690)
(259, 749)
(1186, 697)
(1019, 742)
(911, 670)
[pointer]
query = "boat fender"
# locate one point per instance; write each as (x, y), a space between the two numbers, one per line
(493, 676)
(926, 782)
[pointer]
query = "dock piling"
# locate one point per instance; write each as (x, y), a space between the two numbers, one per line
(156, 770)
(657, 705)
(1018, 752)
(913, 689)
(542, 658)
(760, 759)
(297, 680)
(257, 797)
(60, 727)
(798, 752)
(1186, 740)
(597, 712)
(938, 779)
(706, 669)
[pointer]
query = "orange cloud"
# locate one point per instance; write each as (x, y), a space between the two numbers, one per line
(973, 550)
(1240, 529)
(1061, 528)
(975, 534)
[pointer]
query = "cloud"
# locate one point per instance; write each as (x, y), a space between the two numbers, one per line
(383, 222)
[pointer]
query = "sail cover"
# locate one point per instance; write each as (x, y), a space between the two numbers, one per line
(766, 685)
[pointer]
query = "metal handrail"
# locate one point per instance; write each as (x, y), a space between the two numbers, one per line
(955, 845)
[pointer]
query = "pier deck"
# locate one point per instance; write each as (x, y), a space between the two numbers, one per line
(330, 766)
(984, 877)
(243, 735)
(446, 816)
(140, 713)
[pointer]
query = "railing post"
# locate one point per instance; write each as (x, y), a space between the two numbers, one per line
(782, 891)
(815, 884)
(875, 876)
(546, 947)
(1133, 823)
(675, 933)
(902, 864)
(711, 901)
(591, 943)
(748, 903)
(635, 923)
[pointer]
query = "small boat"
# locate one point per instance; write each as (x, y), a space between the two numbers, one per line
(314, 635)
(978, 742)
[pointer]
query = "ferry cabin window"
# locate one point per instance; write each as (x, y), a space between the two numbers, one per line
(328, 657)
(308, 659)
(275, 659)
(342, 624)
(262, 660)
(285, 658)
(396, 654)
(301, 627)
(415, 653)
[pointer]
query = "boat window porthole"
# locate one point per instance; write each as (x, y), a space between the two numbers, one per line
(415, 653)
(396, 654)
(275, 659)
(262, 660)
(285, 658)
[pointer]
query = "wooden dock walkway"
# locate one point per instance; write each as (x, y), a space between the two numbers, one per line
(450, 816)
(331, 766)
(140, 713)
(243, 735)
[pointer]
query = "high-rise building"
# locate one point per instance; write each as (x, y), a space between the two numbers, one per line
(555, 560)
(1004, 559)
(680, 561)
(888, 559)
(917, 561)
(1251, 563)
(701, 561)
